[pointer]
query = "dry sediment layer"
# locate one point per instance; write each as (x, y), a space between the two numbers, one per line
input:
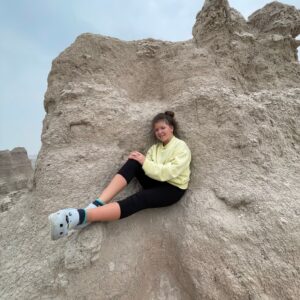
(235, 235)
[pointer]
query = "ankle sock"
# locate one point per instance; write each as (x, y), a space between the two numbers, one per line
(82, 216)
(82, 211)
(96, 203)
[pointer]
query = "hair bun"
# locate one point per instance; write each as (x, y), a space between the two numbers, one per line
(170, 113)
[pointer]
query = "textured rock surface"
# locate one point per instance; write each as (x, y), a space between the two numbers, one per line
(15, 170)
(235, 90)
(258, 54)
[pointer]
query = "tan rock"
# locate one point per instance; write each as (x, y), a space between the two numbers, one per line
(235, 234)
(15, 170)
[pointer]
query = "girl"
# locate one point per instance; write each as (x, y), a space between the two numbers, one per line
(164, 175)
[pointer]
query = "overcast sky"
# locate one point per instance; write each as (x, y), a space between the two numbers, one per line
(34, 32)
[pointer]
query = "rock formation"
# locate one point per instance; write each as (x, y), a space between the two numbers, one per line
(15, 177)
(235, 235)
(258, 54)
(15, 170)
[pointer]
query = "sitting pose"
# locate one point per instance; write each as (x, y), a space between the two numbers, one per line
(164, 175)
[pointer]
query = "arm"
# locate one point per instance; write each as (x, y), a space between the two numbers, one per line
(167, 171)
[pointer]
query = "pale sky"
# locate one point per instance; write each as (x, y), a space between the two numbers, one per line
(34, 32)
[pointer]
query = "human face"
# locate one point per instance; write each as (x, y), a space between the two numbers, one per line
(163, 131)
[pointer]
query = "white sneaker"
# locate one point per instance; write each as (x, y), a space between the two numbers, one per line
(62, 221)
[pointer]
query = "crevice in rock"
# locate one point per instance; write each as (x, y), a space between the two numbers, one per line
(236, 201)
(81, 128)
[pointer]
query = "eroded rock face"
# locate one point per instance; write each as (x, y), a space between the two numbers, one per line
(256, 53)
(15, 170)
(234, 235)
(277, 18)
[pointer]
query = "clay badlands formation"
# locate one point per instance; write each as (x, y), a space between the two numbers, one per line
(15, 177)
(15, 170)
(235, 89)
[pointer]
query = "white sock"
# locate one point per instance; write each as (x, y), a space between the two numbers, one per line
(91, 205)
(96, 203)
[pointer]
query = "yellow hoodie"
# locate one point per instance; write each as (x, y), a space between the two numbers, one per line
(169, 163)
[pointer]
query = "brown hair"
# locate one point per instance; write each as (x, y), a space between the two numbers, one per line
(168, 117)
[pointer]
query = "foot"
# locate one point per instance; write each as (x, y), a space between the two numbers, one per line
(94, 204)
(81, 226)
(62, 221)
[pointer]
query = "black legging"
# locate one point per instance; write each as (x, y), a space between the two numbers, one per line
(154, 194)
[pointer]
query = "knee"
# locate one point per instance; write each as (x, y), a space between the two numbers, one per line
(129, 169)
(133, 162)
(130, 205)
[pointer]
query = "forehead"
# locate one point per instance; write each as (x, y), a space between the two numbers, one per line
(160, 123)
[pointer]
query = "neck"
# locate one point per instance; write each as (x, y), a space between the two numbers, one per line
(168, 141)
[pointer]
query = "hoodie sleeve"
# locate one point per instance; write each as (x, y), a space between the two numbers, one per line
(173, 168)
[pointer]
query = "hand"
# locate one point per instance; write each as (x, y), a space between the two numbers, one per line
(137, 156)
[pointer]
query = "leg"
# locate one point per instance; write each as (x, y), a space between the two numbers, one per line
(64, 220)
(116, 185)
(159, 196)
(70, 218)
(109, 212)
(129, 170)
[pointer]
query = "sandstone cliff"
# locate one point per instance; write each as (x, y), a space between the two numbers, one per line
(235, 90)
